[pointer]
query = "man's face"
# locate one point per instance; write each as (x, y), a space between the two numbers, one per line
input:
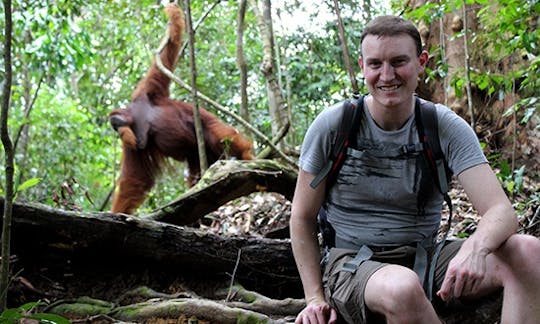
(391, 67)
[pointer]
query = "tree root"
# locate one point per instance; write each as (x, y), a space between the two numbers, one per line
(247, 307)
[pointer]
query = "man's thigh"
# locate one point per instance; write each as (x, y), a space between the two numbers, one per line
(345, 290)
(448, 252)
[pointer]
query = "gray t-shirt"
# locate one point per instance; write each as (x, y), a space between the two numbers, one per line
(374, 200)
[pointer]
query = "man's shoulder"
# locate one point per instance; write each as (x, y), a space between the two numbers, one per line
(332, 115)
(445, 115)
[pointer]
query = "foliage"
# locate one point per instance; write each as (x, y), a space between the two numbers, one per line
(81, 59)
(504, 48)
(59, 144)
(25, 312)
(511, 180)
(518, 21)
(76, 60)
(515, 29)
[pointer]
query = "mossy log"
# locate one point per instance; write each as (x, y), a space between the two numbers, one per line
(224, 181)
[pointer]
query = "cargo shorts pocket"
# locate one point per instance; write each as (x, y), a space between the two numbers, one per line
(341, 291)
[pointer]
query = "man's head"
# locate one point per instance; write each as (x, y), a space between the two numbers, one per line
(392, 59)
(392, 26)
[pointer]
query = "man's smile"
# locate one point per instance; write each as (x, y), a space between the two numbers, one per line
(389, 87)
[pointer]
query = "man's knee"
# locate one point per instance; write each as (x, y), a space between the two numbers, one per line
(522, 252)
(399, 291)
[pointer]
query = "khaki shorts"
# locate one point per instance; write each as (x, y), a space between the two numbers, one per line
(345, 290)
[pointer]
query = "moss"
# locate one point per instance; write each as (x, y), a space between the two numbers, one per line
(79, 310)
(96, 302)
(250, 319)
(249, 297)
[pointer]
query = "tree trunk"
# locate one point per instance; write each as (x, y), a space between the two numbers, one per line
(7, 207)
(240, 60)
(203, 162)
(278, 109)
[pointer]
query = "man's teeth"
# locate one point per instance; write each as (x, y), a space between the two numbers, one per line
(388, 88)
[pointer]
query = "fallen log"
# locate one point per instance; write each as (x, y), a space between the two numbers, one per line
(123, 238)
(224, 181)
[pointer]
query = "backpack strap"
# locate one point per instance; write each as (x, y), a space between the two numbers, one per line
(348, 129)
(347, 134)
(428, 132)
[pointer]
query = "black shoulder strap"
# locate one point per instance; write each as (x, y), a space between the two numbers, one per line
(428, 131)
(427, 125)
(350, 123)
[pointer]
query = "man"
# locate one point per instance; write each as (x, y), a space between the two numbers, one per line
(373, 203)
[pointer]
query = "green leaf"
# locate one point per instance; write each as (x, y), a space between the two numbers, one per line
(10, 315)
(528, 114)
(518, 178)
(505, 169)
(28, 184)
(510, 186)
(28, 306)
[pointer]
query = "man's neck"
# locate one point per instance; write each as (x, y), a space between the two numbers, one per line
(390, 118)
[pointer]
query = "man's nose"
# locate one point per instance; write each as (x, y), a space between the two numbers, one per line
(387, 72)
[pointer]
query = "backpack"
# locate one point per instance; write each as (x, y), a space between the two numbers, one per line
(428, 134)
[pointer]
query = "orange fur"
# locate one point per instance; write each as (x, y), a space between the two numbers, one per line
(155, 127)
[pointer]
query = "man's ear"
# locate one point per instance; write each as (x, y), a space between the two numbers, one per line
(361, 63)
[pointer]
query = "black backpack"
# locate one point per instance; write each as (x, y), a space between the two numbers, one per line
(427, 127)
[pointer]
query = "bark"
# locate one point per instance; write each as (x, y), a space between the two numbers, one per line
(240, 59)
(276, 102)
(9, 157)
(124, 237)
(225, 181)
(254, 301)
(203, 163)
(344, 47)
(443, 37)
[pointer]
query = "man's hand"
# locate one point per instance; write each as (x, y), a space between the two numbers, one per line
(465, 272)
(317, 312)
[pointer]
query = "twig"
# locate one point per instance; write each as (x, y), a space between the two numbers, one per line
(467, 66)
(229, 295)
(533, 221)
(197, 24)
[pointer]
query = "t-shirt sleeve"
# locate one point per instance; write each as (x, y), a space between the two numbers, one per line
(317, 144)
(459, 143)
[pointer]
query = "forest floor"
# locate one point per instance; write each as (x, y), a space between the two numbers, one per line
(267, 214)
(256, 215)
